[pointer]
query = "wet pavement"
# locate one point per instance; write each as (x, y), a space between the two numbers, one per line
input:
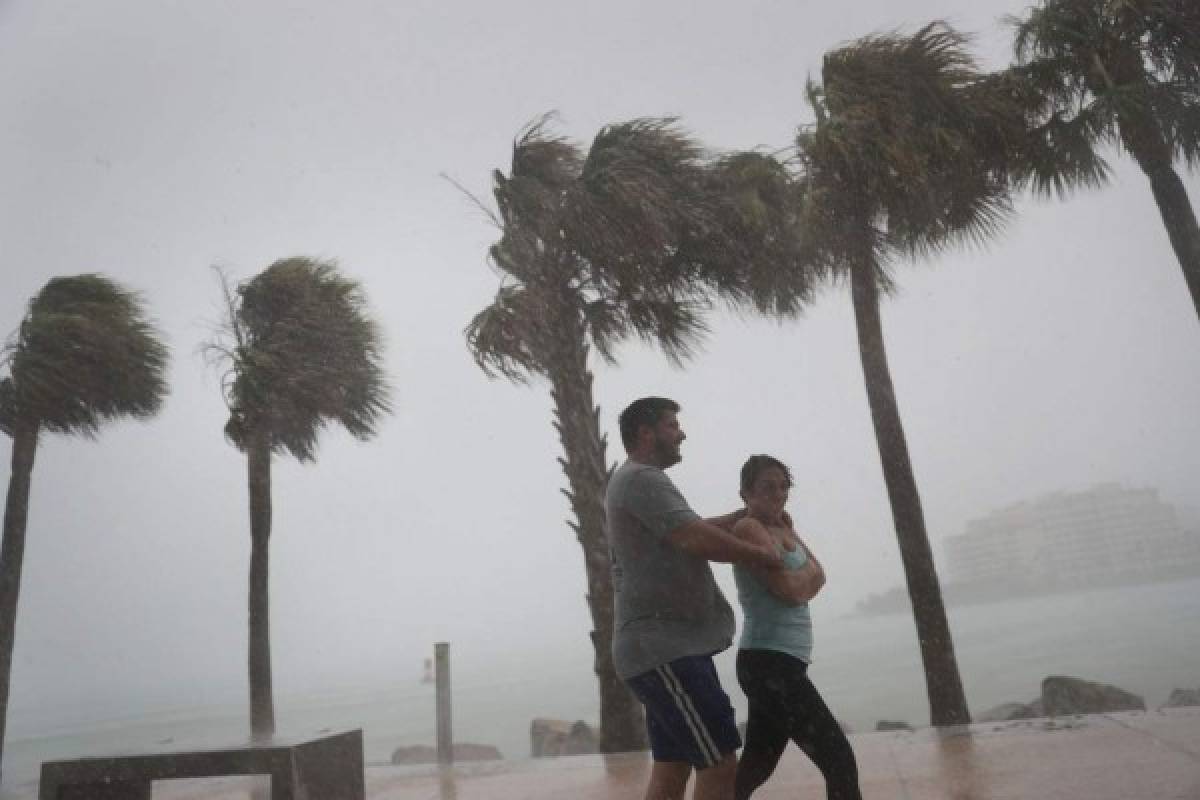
(1152, 755)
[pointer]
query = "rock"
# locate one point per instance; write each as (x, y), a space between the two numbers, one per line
(581, 740)
(417, 754)
(462, 751)
(1007, 711)
(1183, 697)
(557, 737)
(892, 725)
(1062, 695)
(546, 737)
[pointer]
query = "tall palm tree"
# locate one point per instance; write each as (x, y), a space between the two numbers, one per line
(1124, 72)
(84, 354)
(589, 254)
(907, 156)
(301, 353)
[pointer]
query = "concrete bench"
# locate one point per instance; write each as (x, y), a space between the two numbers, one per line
(328, 768)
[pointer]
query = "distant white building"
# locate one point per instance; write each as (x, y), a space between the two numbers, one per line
(1106, 533)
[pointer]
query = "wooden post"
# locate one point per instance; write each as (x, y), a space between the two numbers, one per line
(445, 734)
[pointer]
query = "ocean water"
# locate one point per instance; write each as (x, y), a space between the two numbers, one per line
(1145, 639)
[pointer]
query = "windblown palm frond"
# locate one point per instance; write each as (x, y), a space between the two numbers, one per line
(552, 160)
(308, 355)
(912, 141)
(532, 197)
(510, 337)
(85, 353)
(757, 255)
(639, 194)
(675, 326)
(592, 244)
(1126, 72)
(1061, 151)
(1177, 105)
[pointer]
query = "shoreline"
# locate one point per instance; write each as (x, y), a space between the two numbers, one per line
(896, 601)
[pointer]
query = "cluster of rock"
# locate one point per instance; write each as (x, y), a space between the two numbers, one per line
(892, 725)
(1063, 696)
(462, 751)
(1066, 696)
(557, 737)
(1181, 698)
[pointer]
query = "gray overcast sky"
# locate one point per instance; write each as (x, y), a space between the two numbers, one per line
(151, 140)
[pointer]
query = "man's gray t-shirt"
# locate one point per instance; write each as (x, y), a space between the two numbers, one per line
(667, 603)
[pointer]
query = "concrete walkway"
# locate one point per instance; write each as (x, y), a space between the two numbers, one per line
(1151, 755)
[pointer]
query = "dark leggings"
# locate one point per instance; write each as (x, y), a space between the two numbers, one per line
(785, 705)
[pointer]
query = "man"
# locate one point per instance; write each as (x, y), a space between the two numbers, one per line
(670, 616)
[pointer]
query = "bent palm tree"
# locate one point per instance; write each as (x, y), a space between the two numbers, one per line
(906, 158)
(759, 255)
(84, 354)
(301, 353)
(1127, 73)
(589, 255)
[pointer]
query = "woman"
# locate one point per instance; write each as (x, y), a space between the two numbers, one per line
(776, 645)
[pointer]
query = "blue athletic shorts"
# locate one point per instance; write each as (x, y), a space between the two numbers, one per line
(688, 715)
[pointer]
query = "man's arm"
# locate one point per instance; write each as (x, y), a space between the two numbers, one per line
(726, 521)
(701, 538)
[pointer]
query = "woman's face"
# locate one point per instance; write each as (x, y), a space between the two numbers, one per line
(768, 494)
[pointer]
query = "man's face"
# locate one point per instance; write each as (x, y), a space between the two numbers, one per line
(667, 438)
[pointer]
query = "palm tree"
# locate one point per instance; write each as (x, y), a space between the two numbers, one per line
(1124, 72)
(758, 256)
(907, 157)
(590, 254)
(84, 354)
(301, 353)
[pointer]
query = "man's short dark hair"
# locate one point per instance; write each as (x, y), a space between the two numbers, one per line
(643, 411)
(756, 464)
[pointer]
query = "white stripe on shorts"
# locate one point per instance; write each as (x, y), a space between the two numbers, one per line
(703, 739)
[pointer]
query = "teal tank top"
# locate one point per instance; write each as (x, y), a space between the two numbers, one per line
(770, 624)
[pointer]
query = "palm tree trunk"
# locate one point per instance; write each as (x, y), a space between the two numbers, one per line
(622, 724)
(12, 555)
(262, 703)
(947, 702)
(1180, 221)
(1143, 138)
